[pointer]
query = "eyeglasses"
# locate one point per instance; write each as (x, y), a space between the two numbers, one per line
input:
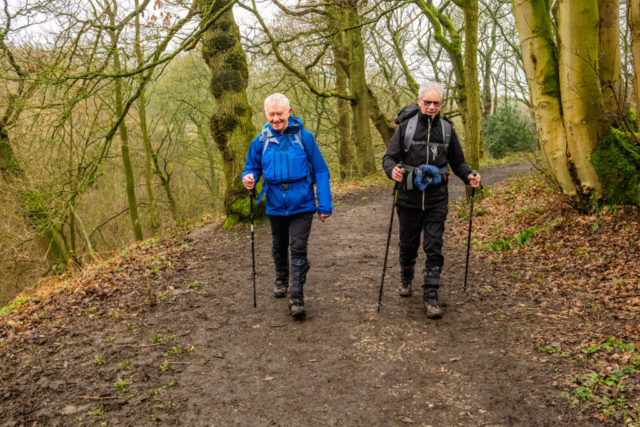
(427, 103)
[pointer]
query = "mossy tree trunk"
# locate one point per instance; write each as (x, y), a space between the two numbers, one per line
(359, 88)
(565, 89)
(472, 102)
(341, 65)
(124, 135)
(580, 90)
(633, 19)
(609, 55)
(231, 125)
(142, 110)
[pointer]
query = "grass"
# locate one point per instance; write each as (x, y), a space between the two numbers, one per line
(196, 283)
(166, 366)
(121, 385)
(173, 352)
(157, 338)
(15, 304)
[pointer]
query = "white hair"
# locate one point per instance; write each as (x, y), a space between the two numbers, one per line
(430, 85)
(277, 99)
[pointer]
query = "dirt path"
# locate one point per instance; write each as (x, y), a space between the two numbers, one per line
(346, 365)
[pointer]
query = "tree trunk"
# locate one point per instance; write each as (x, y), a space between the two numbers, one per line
(344, 123)
(231, 125)
(341, 65)
(142, 110)
(173, 206)
(541, 68)
(633, 18)
(580, 89)
(360, 89)
(486, 77)
(385, 129)
(165, 181)
(124, 138)
(609, 58)
(472, 121)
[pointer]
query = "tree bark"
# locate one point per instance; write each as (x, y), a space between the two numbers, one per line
(341, 65)
(142, 110)
(633, 19)
(344, 126)
(541, 68)
(124, 138)
(359, 89)
(231, 125)
(472, 122)
(609, 57)
(580, 89)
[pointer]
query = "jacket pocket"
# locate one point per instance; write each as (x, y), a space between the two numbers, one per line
(297, 162)
(269, 164)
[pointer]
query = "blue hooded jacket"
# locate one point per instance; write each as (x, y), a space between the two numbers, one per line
(292, 158)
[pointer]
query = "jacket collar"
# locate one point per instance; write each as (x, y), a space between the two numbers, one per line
(295, 124)
(424, 119)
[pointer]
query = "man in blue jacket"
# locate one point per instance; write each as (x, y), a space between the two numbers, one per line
(287, 157)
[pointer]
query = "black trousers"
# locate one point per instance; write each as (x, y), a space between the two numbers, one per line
(290, 231)
(414, 222)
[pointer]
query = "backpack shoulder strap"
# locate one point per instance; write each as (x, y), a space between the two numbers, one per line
(265, 137)
(410, 132)
(446, 133)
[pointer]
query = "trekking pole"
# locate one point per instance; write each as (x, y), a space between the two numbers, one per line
(386, 254)
(466, 269)
(252, 196)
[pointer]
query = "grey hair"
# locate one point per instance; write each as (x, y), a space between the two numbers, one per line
(277, 99)
(430, 85)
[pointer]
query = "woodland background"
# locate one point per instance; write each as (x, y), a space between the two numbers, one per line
(122, 119)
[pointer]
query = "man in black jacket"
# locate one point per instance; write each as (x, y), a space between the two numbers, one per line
(426, 138)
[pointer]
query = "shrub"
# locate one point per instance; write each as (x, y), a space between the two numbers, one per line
(507, 131)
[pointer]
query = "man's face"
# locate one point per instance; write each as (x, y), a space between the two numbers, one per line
(430, 102)
(277, 116)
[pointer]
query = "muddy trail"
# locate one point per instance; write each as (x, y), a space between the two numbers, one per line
(203, 356)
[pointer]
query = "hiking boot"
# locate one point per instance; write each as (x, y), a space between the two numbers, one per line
(281, 288)
(296, 309)
(405, 290)
(430, 288)
(299, 269)
(433, 311)
(406, 277)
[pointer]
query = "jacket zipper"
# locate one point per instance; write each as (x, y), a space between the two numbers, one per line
(428, 139)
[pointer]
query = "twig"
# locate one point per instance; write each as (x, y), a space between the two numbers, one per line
(140, 346)
(98, 398)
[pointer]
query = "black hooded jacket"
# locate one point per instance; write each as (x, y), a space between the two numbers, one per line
(417, 155)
